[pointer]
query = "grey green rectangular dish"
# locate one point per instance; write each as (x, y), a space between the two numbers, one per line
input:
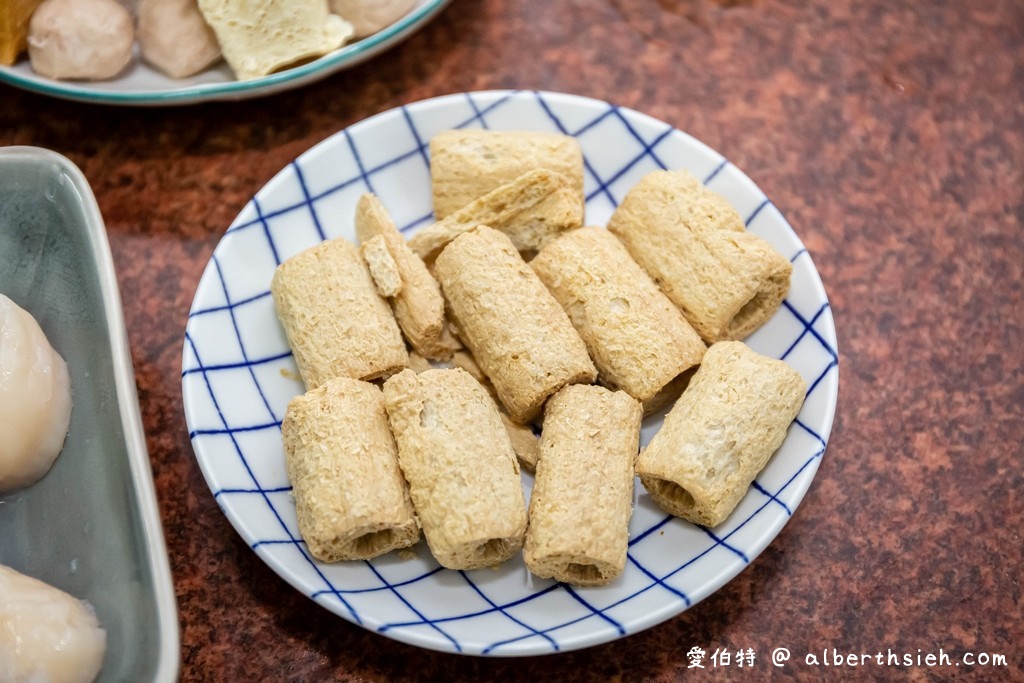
(91, 526)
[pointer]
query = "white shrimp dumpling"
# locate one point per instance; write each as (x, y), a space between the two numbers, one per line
(35, 399)
(46, 635)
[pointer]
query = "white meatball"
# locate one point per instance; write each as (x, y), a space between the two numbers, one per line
(175, 38)
(46, 636)
(35, 399)
(80, 39)
(370, 16)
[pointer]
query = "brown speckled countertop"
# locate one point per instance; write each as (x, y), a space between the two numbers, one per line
(890, 134)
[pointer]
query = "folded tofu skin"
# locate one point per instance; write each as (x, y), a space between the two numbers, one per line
(259, 37)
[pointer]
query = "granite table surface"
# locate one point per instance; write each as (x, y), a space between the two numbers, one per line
(891, 136)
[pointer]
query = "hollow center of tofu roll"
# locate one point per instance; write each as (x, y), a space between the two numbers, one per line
(370, 544)
(582, 574)
(496, 549)
(671, 492)
(747, 312)
(737, 327)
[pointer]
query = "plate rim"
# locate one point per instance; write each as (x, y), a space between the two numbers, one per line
(708, 587)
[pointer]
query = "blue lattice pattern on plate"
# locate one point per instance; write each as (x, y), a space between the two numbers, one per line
(238, 376)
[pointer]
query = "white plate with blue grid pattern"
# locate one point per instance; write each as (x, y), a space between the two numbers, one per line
(238, 376)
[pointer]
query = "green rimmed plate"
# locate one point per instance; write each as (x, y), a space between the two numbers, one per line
(142, 85)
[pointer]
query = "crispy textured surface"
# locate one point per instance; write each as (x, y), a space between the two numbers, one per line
(518, 334)
(351, 500)
(417, 304)
(383, 268)
(682, 196)
(532, 209)
(469, 163)
(582, 497)
(14, 18)
(337, 324)
(727, 282)
(259, 37)
(721, 433)
(462, 472)
(524, 442)
(638, 339)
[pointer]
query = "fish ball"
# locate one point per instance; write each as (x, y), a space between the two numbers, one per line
(80, 39)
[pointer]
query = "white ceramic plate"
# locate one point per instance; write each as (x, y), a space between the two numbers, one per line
(238, 376)
(142, 85)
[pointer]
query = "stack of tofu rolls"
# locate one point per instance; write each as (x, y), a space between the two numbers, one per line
(430, 364)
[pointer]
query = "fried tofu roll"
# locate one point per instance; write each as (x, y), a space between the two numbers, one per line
(466, 164)
(336, 322)
(524, 442)
(401, 275)
(727, 282)
(462, 472)
(351, 499)
(638, 339)
(721, 433)
(583, 493)
(532, 210)
(518, 334)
